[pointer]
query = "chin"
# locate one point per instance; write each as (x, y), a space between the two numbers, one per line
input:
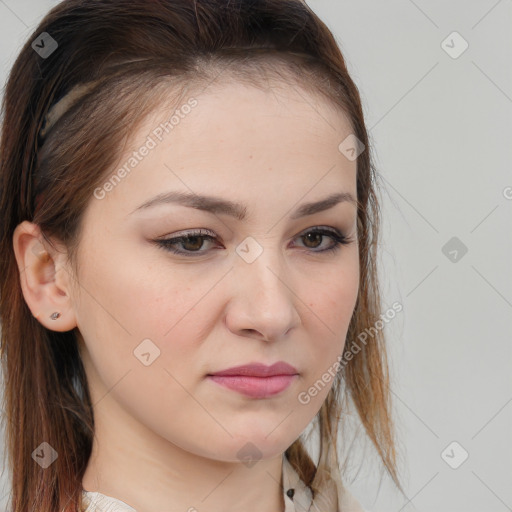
(249, 448)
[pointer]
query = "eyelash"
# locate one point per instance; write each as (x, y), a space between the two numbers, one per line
(169, 243)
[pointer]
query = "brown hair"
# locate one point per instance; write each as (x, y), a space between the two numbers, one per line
(131, 53)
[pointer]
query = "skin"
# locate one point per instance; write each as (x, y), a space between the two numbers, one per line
(165, 433)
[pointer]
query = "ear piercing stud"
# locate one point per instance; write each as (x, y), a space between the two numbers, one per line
(55, 315)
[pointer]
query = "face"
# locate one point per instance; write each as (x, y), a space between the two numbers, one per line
(273, 286)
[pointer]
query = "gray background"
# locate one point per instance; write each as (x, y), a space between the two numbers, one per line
(441, 129)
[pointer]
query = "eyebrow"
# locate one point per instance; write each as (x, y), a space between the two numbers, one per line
(218, 205)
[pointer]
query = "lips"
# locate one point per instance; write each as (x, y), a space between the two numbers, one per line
(258, 370)
(257, 380)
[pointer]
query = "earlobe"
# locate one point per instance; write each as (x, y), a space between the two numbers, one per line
(44, 278)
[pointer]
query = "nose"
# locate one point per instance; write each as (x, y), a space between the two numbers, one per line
(263, 304)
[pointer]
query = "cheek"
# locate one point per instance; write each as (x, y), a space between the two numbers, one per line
(138, 297)
(123, 301)
(331, 299)
(130, 302)
(134, 315)
(330, 305)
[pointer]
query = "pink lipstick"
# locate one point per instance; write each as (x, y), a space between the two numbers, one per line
(257, 380)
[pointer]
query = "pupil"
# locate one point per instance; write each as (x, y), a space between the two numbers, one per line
(313, 235)
(194, 246)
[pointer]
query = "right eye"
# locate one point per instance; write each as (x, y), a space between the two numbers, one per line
(194, 241)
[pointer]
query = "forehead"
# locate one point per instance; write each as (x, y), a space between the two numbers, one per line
(243, 117)
(234, 139)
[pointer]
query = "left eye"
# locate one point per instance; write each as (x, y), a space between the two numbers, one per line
(193, 241)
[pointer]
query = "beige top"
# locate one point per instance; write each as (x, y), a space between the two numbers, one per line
(297, 497)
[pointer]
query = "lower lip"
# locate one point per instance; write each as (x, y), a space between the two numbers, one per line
(255, 387)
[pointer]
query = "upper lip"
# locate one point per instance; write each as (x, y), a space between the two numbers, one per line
(260, 370)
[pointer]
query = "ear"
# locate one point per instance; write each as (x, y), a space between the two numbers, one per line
(45, 278)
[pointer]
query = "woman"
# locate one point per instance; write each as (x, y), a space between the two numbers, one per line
(189, 234)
